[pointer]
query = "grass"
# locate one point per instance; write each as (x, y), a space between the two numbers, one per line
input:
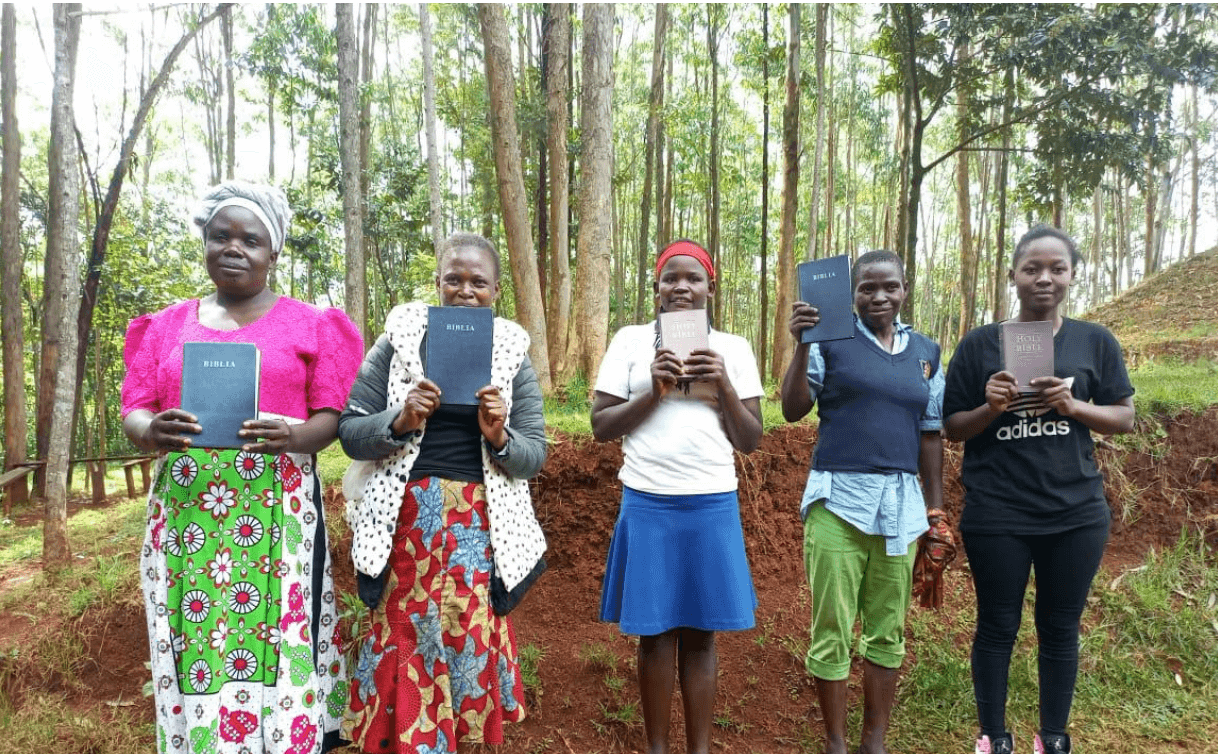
(530, 658)
(104, 574)
(117, 528)
(332, 463)
(1148, 672)
(46, 723)
(625, 714)
(1170, 386)
(598, 657)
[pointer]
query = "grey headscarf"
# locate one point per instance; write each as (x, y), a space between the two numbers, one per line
(267, 202)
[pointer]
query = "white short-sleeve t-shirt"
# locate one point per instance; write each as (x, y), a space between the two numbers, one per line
(681, 449)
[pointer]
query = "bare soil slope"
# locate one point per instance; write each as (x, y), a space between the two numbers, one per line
(765, 701)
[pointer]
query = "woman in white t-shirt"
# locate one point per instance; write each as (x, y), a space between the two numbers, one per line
(677, 571)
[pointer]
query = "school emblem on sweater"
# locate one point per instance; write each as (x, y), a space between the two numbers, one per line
(925, 368)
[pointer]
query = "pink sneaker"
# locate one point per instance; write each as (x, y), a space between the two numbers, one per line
(1054, 743)
(1003, 744)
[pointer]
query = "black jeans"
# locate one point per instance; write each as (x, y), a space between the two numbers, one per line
(1065, 564)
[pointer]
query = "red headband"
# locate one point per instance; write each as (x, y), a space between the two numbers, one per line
(685, 249)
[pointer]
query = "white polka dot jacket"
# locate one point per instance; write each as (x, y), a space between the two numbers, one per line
(375, 483)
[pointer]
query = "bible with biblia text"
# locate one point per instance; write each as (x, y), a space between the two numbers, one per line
(458, 351)
(825, 284)
(220, 387)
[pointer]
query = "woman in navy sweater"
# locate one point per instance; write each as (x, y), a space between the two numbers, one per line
(880, 396)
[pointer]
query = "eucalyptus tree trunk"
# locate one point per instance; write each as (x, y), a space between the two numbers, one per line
(558, 302)
(62, 281)
(1150, 258)
(1194, 139)
(654, 105)
(818, 153)
(785, 280)
(230, 129)
(968, 254)
(590, 313)
(664, 192)
(1000, 236)
(1097, 244)
(272, 85)
(501, 90)
(13, 331)
(356, 287)
(429, 120)
(1167, 184)
(763, 342)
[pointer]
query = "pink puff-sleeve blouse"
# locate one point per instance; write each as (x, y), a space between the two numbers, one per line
(310, 356)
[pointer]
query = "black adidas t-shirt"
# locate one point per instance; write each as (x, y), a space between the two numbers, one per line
(1033, 471)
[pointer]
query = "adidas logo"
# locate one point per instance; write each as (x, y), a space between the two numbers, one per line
(1035, 428)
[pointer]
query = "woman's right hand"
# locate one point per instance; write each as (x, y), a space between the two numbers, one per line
(422, 402)
(665, 369)
(1000, 390)
(803, 316)
(171, 430)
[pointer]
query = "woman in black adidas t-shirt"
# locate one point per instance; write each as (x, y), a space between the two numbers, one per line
(1034, 497)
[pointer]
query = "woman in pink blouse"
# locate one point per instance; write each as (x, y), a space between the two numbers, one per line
(235, 565)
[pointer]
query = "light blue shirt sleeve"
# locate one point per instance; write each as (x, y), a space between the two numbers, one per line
(816, 371)
(932, 417)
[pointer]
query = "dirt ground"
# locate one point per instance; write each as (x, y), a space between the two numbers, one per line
(765, 701)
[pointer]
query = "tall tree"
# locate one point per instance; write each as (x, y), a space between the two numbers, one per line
(818, 155)
(1072, 82)
(429, 121)
(13, 331)
(714, 19)
(590, 315)
(557, 35)
(62, 280)
(230, 129)
(501, 88)
(763, 339)
(964, 213)
(655, 104)
(999, 266)
(101, 230)
(356, 289)
(1194, 142)
(785, 277)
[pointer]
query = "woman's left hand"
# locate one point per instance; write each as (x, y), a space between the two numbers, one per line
(275, 434)
(1056, 393)
(704, 365)
(492, 416)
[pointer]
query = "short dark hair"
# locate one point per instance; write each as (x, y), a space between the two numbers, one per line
(461, 241)
(873, 257)
(1043, 230)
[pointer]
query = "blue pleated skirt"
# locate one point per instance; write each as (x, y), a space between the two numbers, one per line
(677, 561)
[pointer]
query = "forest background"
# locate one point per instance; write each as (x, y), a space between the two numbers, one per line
(579, 139)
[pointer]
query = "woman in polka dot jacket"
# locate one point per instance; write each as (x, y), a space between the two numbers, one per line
(444, 504)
